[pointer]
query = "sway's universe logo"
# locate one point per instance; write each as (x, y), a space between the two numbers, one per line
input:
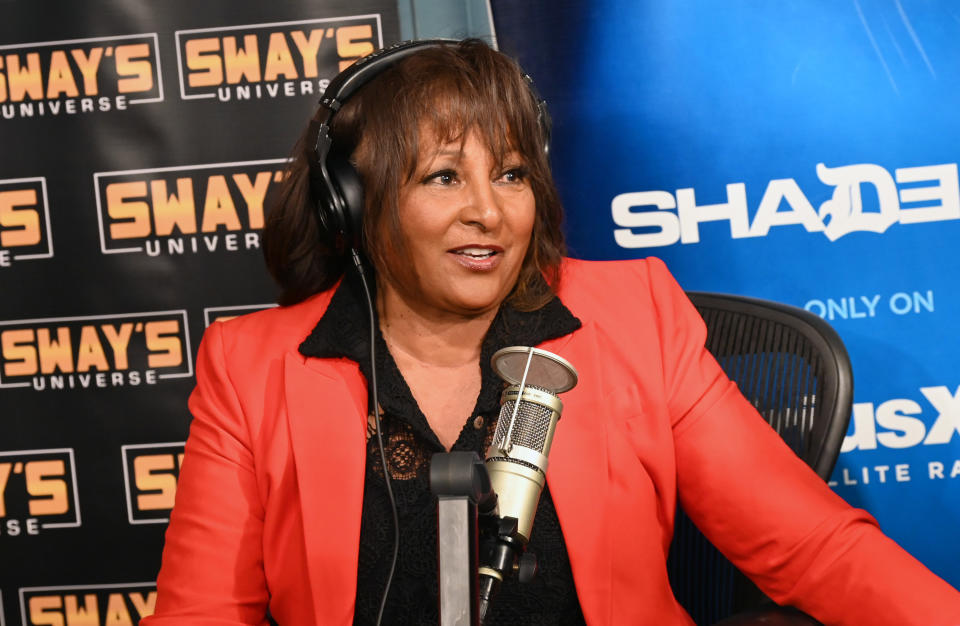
(213, 314)
(38, 491)
(24, 220)
(217, 207)
(95, 351)
(120, 604)
(911, 195)
(100, 74)
(150, 473)
(281, 59)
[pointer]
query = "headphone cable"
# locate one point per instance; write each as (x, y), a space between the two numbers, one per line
(376, 416)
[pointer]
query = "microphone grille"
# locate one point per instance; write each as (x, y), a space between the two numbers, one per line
(531, 428)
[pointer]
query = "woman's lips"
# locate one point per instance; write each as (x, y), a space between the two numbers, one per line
(478, 258)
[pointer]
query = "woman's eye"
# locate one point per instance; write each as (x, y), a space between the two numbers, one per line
(443, 177)
(515, 175)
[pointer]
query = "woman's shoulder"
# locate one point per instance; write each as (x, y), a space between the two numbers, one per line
(635, 293)
(612, 279)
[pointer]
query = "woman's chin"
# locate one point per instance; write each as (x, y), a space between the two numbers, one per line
(474, 307)
(474, 304)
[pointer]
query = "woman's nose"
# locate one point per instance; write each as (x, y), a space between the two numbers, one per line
(482, 206)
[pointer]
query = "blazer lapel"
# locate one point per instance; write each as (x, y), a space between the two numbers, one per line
(578, 475)
(326, 409)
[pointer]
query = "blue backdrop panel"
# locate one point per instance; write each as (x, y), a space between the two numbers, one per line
(801, 152)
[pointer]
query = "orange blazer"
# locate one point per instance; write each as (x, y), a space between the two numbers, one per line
(269, 498)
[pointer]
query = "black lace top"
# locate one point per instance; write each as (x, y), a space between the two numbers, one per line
(409, 442)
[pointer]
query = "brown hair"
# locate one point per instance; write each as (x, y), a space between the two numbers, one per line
(450, 89)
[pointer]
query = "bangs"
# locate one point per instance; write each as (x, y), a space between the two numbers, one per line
(448, 95)
(452, 112)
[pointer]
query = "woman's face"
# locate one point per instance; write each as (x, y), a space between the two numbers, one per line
(466, 220)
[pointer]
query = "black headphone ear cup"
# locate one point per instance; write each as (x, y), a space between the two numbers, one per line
(347, 183)
(326, 208)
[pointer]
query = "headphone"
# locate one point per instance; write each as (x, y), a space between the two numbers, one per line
(335, 185)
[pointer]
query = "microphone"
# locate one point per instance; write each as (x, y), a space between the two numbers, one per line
(517, 460)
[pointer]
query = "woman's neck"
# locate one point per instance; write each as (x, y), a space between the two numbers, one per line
(440, 339)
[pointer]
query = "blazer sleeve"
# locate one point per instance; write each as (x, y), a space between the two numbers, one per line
(765, 509)
(212, 569)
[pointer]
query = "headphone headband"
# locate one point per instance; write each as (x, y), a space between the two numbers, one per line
(364, 69)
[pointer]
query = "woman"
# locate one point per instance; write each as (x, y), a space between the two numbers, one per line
(282, 502)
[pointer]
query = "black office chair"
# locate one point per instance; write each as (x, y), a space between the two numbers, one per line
(795, 370)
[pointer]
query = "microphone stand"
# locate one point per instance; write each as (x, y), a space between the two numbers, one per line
(503, 553)
(462, 486)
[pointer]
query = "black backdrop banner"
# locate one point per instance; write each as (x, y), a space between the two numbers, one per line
(140, 142)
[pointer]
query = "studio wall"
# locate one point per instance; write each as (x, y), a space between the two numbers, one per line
(139, 142)
(798, 152)
(139, 145)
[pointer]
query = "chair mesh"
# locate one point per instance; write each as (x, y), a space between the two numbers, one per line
(776, 368)
(793, 368)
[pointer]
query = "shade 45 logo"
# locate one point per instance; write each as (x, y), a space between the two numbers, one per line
(150, 474)
(55, 78)
(24, 221)
(94, 605)
(281, 59)
(217, 207)
(97, 351)
(865, 198)
(38, 491)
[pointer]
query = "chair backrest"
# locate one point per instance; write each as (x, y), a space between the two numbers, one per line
(792, 366)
